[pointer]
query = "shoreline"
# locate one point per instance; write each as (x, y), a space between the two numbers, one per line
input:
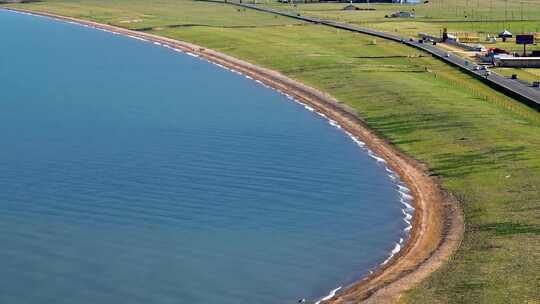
(437, 225)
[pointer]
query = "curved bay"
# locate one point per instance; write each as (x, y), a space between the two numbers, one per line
(134, 174)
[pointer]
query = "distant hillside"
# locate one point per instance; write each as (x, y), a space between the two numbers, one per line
(17, 1)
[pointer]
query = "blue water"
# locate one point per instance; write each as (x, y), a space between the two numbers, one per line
(130, 173)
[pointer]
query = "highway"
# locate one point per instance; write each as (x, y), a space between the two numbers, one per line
(524, 92)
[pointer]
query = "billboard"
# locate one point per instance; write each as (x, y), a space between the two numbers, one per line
(524, 39)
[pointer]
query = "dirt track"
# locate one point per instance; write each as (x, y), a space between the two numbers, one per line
(438, 223)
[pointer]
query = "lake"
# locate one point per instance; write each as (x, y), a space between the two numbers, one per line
(132, 173)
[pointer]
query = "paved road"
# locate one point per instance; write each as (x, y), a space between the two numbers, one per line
(526, 93)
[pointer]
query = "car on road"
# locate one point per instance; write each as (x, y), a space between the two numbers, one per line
(447, 55)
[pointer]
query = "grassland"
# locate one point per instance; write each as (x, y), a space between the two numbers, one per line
(484, 146)
(479, 16)
(465, 18)
(528, 75)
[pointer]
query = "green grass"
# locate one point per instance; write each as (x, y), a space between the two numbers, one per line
(141, 14)
(484, 17)
(479, 16)
(484, 146)
(528, 75)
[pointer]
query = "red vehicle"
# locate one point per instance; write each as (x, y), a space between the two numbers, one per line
(496, 51)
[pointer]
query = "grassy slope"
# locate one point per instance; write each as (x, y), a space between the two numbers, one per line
(483, 17)
(529, 75)
(456, 15)
(484, 146)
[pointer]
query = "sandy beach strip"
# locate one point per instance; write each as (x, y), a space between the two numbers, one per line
(437, 226)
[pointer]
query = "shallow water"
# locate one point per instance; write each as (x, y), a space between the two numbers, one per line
(131, 173)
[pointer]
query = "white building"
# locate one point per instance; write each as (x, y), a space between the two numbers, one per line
(406, 1)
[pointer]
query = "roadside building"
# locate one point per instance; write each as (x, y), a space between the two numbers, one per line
(451, 38)
(516, 62)
(403, 15)
(350, 7)
(468, 38)
(505, 35)
(406, 1)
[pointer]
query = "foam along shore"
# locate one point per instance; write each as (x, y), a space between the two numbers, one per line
(435, 224)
